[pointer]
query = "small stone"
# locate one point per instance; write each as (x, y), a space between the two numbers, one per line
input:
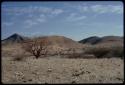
(39, 82)
(24, 81)
(82, 68)
(119, 78)
(19, 73)
(46, 83)
(88, 72)
(73, 82)
(30, 80)
(75, 74)
(49, 70)
(36, 73)
(57, 77)
(100, 80)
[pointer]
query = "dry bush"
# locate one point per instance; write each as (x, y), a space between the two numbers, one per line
(116, 51)
(105, 52)
(36, 46)
(97, 51)
(19, 57)
(81, 55)
(75, 54)
(72, 53)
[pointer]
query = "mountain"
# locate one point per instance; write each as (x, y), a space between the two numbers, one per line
(62, 41)
(15, 38)
(61, 44)
(90, 40)
(108, 39)
(102, 40)
(54, 41)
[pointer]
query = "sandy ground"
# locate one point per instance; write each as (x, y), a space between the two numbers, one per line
(60, 70)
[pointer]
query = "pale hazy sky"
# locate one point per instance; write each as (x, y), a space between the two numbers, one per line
(76, 20)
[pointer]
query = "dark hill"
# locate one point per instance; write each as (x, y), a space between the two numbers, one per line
(100, 40)
(15, 38)
(90, 40)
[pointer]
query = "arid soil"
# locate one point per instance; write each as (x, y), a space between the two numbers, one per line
(56, 70)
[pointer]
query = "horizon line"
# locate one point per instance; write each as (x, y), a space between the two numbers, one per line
(31, 36)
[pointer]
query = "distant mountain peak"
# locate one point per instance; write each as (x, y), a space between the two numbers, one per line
(104, 39)
(14, 38)
(15, 35)
(91, 40)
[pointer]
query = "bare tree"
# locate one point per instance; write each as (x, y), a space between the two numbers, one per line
(36, 47)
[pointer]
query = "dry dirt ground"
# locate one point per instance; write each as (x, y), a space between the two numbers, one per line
(54, 70)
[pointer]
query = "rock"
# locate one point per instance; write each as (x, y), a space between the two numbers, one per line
(36, 73)
(29, 79)
(73, 82)
(24, 80)
(57, 77)
(88, 72)
(49, 70)
(100, 80)
(119, 78)
(77, 73)
(19, 74)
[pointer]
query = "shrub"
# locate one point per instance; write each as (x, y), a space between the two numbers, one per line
(19, 57)
(97, 51)
(36, 47)
(116, 51)
(106, 52)
(75, 55)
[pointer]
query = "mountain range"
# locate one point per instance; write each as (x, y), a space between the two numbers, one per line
(64, 41)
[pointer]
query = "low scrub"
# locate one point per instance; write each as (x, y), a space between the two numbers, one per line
(106, 52)
(98, 52)
(75, 55)
(19, 57)
(116, 52)
(81, 55)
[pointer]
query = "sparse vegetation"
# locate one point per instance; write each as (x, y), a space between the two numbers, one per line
(36, 47)
(97, 51)
(106, 52)
(116, 51)
(57, 67)
(72, 53)
(62, 71)
(18, 58)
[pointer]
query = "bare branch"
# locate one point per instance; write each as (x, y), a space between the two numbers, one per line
(36, 46)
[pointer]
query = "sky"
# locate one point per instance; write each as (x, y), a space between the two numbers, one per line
(75, 20)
